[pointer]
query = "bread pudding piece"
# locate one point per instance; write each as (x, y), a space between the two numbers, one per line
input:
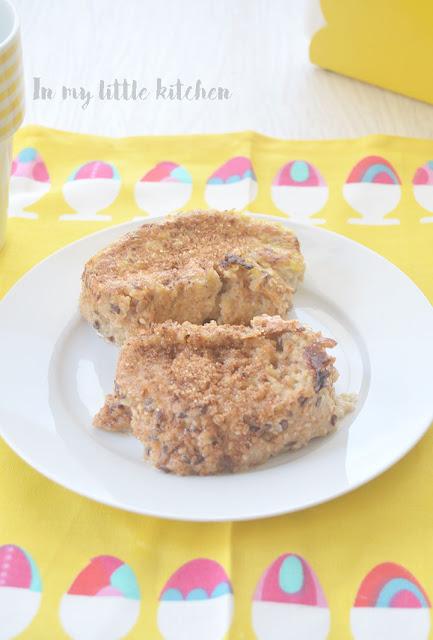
(196, 267)
(206, 399)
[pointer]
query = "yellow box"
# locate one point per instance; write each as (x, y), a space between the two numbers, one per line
(388, 43)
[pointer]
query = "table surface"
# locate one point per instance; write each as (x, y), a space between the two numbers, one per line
(255, 48)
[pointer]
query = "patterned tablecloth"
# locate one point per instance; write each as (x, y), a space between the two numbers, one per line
(359, 566)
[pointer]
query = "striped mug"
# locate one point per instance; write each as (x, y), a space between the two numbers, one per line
(11, 99)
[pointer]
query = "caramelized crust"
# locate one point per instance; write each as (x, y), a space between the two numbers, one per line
(220, 398)
(197, 266)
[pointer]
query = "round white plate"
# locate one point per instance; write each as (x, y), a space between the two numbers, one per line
(55, 370)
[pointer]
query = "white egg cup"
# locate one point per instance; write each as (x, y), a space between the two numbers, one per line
(285, 621)
(87, 197)
(95, 617)
(423, 194)
(373, 201)
(389, 623)
(195, 619)
(300, 203)
(18, 607)
(23, 193)
(234, 195)
(160, 198)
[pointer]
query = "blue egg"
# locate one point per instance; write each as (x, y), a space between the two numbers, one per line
(27, 155)
(222, 589)
(234, 178)
(181, 174)
(197, 594)
(172, 595)
(299, 171)
(291, 575)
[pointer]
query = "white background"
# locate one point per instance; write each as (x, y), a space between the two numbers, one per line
(256, 48)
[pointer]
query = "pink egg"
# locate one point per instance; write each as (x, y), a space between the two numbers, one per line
(233, 185)
(29, 164)
(95, 169)
(28, 183)
(234, 170)
(290, 579)
(390, 604)
(373, 189)
(201, 574)
(289, 602)
(373, 170)
(15, 567)
(196, 602)
(300, 191)
(423, 188)
(164, 188)
(96, 576)
(90, 188)
(20, 590)
(102, 601)
(167, 172)
(299, 173)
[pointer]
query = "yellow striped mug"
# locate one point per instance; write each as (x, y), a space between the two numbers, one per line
(11, 99)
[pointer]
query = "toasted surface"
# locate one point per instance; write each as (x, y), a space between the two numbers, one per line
(196, 267)
(218, 398)
(114, 416)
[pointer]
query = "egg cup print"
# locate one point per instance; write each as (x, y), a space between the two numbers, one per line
(196, 602)
(164, 189)
(390, 605)
(299, 190)
(423, 189)
(92, 187)
(29, 182)
(20, 590)
(102, 602)
(232, 186)
(289, 603)
(373, 189)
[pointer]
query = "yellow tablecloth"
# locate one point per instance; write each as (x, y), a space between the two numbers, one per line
(388, 520)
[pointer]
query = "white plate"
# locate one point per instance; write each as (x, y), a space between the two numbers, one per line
(55, 370)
